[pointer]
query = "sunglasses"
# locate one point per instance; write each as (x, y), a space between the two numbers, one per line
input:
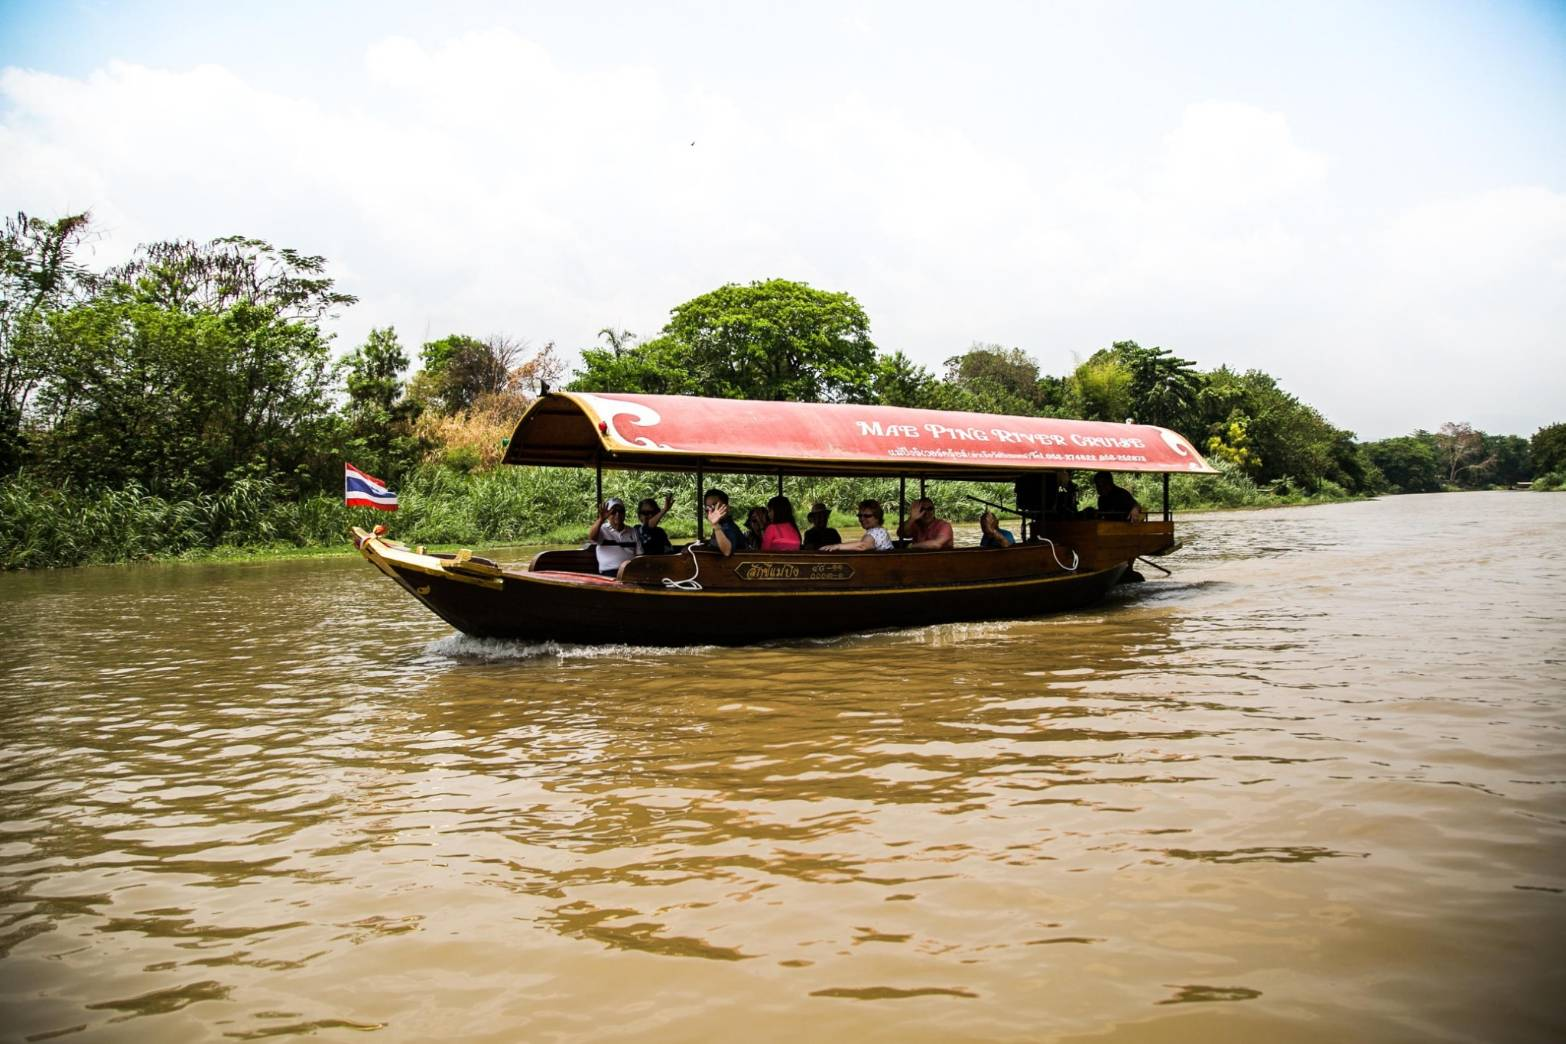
(647, 514)
(867, 514)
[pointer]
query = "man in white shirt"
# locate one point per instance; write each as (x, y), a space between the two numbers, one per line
(613, 540)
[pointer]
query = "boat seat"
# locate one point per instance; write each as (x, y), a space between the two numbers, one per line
(573, 561)
(563, 574)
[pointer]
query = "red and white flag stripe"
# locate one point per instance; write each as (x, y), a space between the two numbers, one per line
(364, 490)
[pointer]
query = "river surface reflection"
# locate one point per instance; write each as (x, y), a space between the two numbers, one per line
(1311, 787)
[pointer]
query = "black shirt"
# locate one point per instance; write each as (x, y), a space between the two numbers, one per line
(654, 540)
(819, 536)
(1115, 503)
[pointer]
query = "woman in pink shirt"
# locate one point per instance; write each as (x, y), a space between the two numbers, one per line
(781, 533)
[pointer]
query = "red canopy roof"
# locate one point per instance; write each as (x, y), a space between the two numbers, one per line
(682, 433)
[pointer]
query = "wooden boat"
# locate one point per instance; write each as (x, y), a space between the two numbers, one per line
(699, 596)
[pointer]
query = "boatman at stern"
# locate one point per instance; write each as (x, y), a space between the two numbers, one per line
(923, 530)
(1116, 502)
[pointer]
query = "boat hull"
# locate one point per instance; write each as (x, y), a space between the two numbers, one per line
(744, 599)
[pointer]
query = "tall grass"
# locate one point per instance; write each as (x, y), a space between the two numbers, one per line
(1229, 488)
(43, 527)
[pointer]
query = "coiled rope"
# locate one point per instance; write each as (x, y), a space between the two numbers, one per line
(689, 584)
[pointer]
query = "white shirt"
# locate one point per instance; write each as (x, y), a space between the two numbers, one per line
(615, 546)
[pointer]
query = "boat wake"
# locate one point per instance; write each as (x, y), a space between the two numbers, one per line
(468, 649)
(1163, 590)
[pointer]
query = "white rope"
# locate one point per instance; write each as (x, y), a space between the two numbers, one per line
(1072, 568)
(688, 584)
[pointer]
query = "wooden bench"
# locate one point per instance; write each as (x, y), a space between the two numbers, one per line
(575, 561)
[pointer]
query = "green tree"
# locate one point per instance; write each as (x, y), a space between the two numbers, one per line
(1460, 449)
(989, 378)
(457, 370)
(1149, 385)
(1349, 466)
(428, 386)
(379, 417)
(1408, 462)
(189, 364)
(1508, 457)
(215, 276)
(771, 339)
(1233, 443)
(1290, 441)
(1294, 441)
(619, 341)
(1164, 387)
(1100, 388)
(1547, 449)
(899, 381)
(142, 393)
(38, 274)
(661, 366)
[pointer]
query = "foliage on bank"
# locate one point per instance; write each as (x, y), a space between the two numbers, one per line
(42, 526)
(1457, 456)
(189, 400)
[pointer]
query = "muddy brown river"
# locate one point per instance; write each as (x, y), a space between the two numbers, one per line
(1312, 787)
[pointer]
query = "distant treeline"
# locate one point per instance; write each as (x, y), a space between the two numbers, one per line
(1459, 457)
(188, 399)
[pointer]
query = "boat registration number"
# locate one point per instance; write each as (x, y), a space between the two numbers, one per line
(795, 571)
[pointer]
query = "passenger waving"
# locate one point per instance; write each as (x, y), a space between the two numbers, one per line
(923, 530)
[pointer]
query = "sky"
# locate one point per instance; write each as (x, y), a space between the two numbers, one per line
(1366, 200)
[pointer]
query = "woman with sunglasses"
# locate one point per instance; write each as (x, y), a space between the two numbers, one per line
(875, 539)
(653, 539)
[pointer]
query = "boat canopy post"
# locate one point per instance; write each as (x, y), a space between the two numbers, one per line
(1166, 496)
(598, 477)
(701, 513)
(902, 501)
(921, 487)
(780, 482)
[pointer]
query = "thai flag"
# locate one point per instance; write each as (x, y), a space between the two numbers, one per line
(361, 490)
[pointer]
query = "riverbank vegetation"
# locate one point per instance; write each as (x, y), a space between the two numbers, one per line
(190, 399)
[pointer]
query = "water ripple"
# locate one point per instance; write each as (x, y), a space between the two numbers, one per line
(283, 800)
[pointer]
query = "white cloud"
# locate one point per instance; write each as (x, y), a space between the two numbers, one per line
(1466, 293)
(1226, 157)
(482, 185)
(1489, 238)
